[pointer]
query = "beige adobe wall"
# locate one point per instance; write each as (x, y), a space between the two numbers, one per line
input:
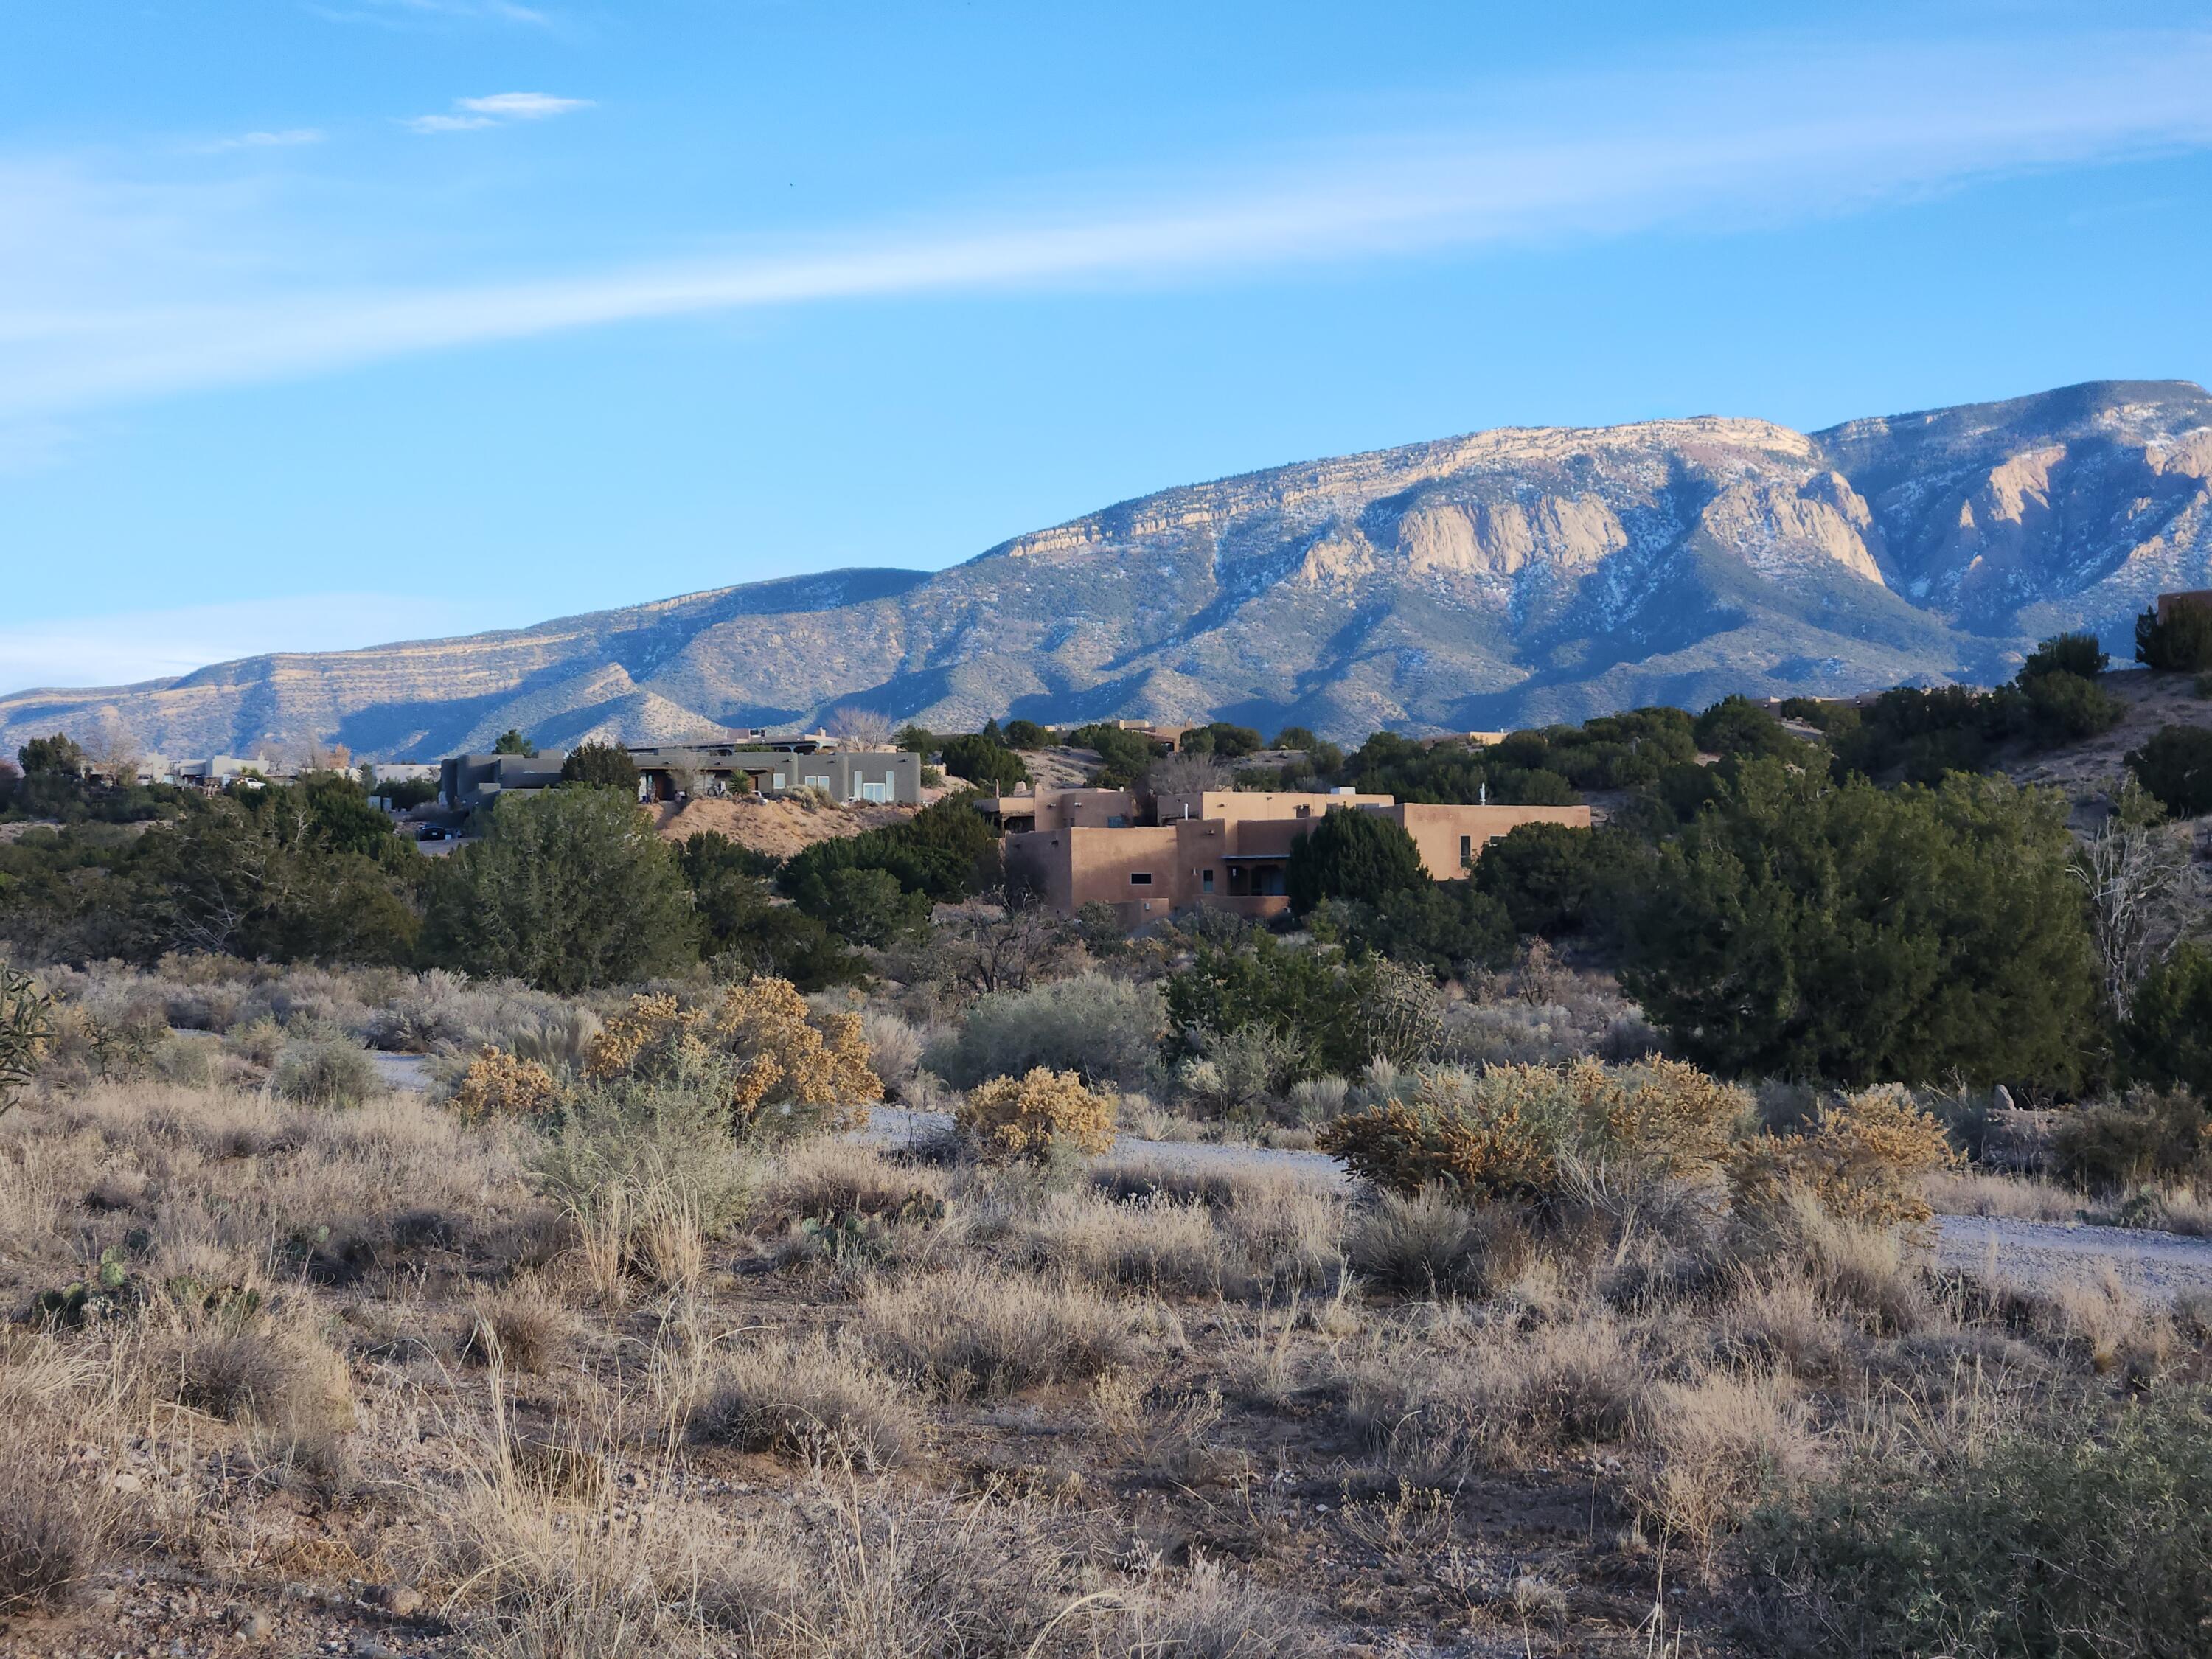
(1439, 831)
(1236, 805)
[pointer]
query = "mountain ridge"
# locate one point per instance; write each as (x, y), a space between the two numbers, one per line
(1500, 577)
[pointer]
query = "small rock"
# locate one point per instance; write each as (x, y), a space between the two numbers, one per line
(126, 1482)
(254, 1625)
(400, 1601)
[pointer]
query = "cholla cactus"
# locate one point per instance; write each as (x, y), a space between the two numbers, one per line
(24, 1029)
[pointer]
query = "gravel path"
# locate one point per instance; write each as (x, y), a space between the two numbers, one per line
(408, 1073)
(2035, 1254)
(2039, 1254)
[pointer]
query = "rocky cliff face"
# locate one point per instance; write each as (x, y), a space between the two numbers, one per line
(1502, 577)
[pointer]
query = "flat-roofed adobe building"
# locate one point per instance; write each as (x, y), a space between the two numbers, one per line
(873, 776)
(1228, 848)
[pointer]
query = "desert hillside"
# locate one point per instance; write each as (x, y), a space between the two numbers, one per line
(1503, 578)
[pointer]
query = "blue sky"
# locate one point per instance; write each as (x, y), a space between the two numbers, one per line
(333, 322)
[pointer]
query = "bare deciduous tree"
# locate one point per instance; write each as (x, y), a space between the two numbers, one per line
(999, 941)
(2146, 894)
(861, 728)
(1181, 774)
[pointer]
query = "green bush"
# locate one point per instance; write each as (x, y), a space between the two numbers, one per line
(2180, 642)
(1221, 739)
(985, 762)
(1800, 927)
(606, 764)
(327, 1073)
(569, 889)
(1447, 927)
(946, 850)
(1123, 755)
(56, 755)
(1105, 1030)
(2175, 766)
(1336, 1016)
(1555, 879)
(744, 931)
(2064, 707)
(2073, 1540)
(2078, 654)
(1025, 734)
(2147, 1134)
(2166, 1038)
(1351, 854)
(1737, 726)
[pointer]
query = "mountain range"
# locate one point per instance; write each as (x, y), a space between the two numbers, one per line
(1504, 578)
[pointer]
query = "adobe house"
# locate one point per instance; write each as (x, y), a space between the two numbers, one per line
(466, 782)
(1228, 848)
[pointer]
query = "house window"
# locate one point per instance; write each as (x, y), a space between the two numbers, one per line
(1305, 811)
(1140, 879)
(1116, 821)
(817, 783)
(1466, 849)
(875, 790)
(778, 783)
(1206, 881)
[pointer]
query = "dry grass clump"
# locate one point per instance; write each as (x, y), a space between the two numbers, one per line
(499, 1084)
(968, 1330)
(1158, 1243)
(327, 1073)
(1431, 1245)
(1708, 1449)
(55, 1527)
(827, 1178)
(1433, 1412)
(1872, 1274)
(1032, 1115)
(819, 1398)
(1283, 1231)
(522, 1326)
(2016, 1198)
(288, 1387)
(229, 1187)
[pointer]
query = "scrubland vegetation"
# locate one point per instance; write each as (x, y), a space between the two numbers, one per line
(614, 1341)
(496, 1257)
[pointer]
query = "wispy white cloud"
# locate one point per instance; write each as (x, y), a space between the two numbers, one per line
(123, 648)
(446, 123)
(1765, 135)
(399, 14)
(493, 111)
(523, 106)
(285, 139)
